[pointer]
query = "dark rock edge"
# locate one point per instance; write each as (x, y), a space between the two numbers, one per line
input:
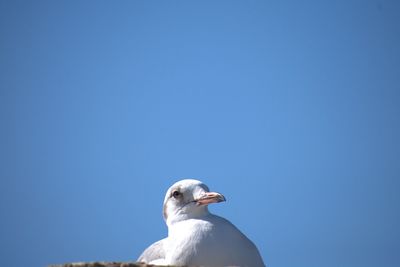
(102, 264)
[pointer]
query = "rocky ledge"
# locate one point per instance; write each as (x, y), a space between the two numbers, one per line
(102, 264)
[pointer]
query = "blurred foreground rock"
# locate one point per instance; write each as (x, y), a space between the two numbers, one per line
(102, 264)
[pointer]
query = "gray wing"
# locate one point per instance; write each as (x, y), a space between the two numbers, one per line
(154, 252)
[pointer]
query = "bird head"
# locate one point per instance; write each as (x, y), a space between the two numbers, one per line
(188, 199)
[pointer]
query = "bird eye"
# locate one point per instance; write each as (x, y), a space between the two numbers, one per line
(176, 194)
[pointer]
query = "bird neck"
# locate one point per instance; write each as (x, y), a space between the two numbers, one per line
(183, 216)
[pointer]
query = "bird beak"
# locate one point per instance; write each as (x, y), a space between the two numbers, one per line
(210, 197)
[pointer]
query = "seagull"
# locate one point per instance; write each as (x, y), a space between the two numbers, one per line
(197, 237)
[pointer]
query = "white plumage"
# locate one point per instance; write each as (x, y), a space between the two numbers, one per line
(195, 236)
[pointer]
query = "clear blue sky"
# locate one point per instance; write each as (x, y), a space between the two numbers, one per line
(291, 109)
